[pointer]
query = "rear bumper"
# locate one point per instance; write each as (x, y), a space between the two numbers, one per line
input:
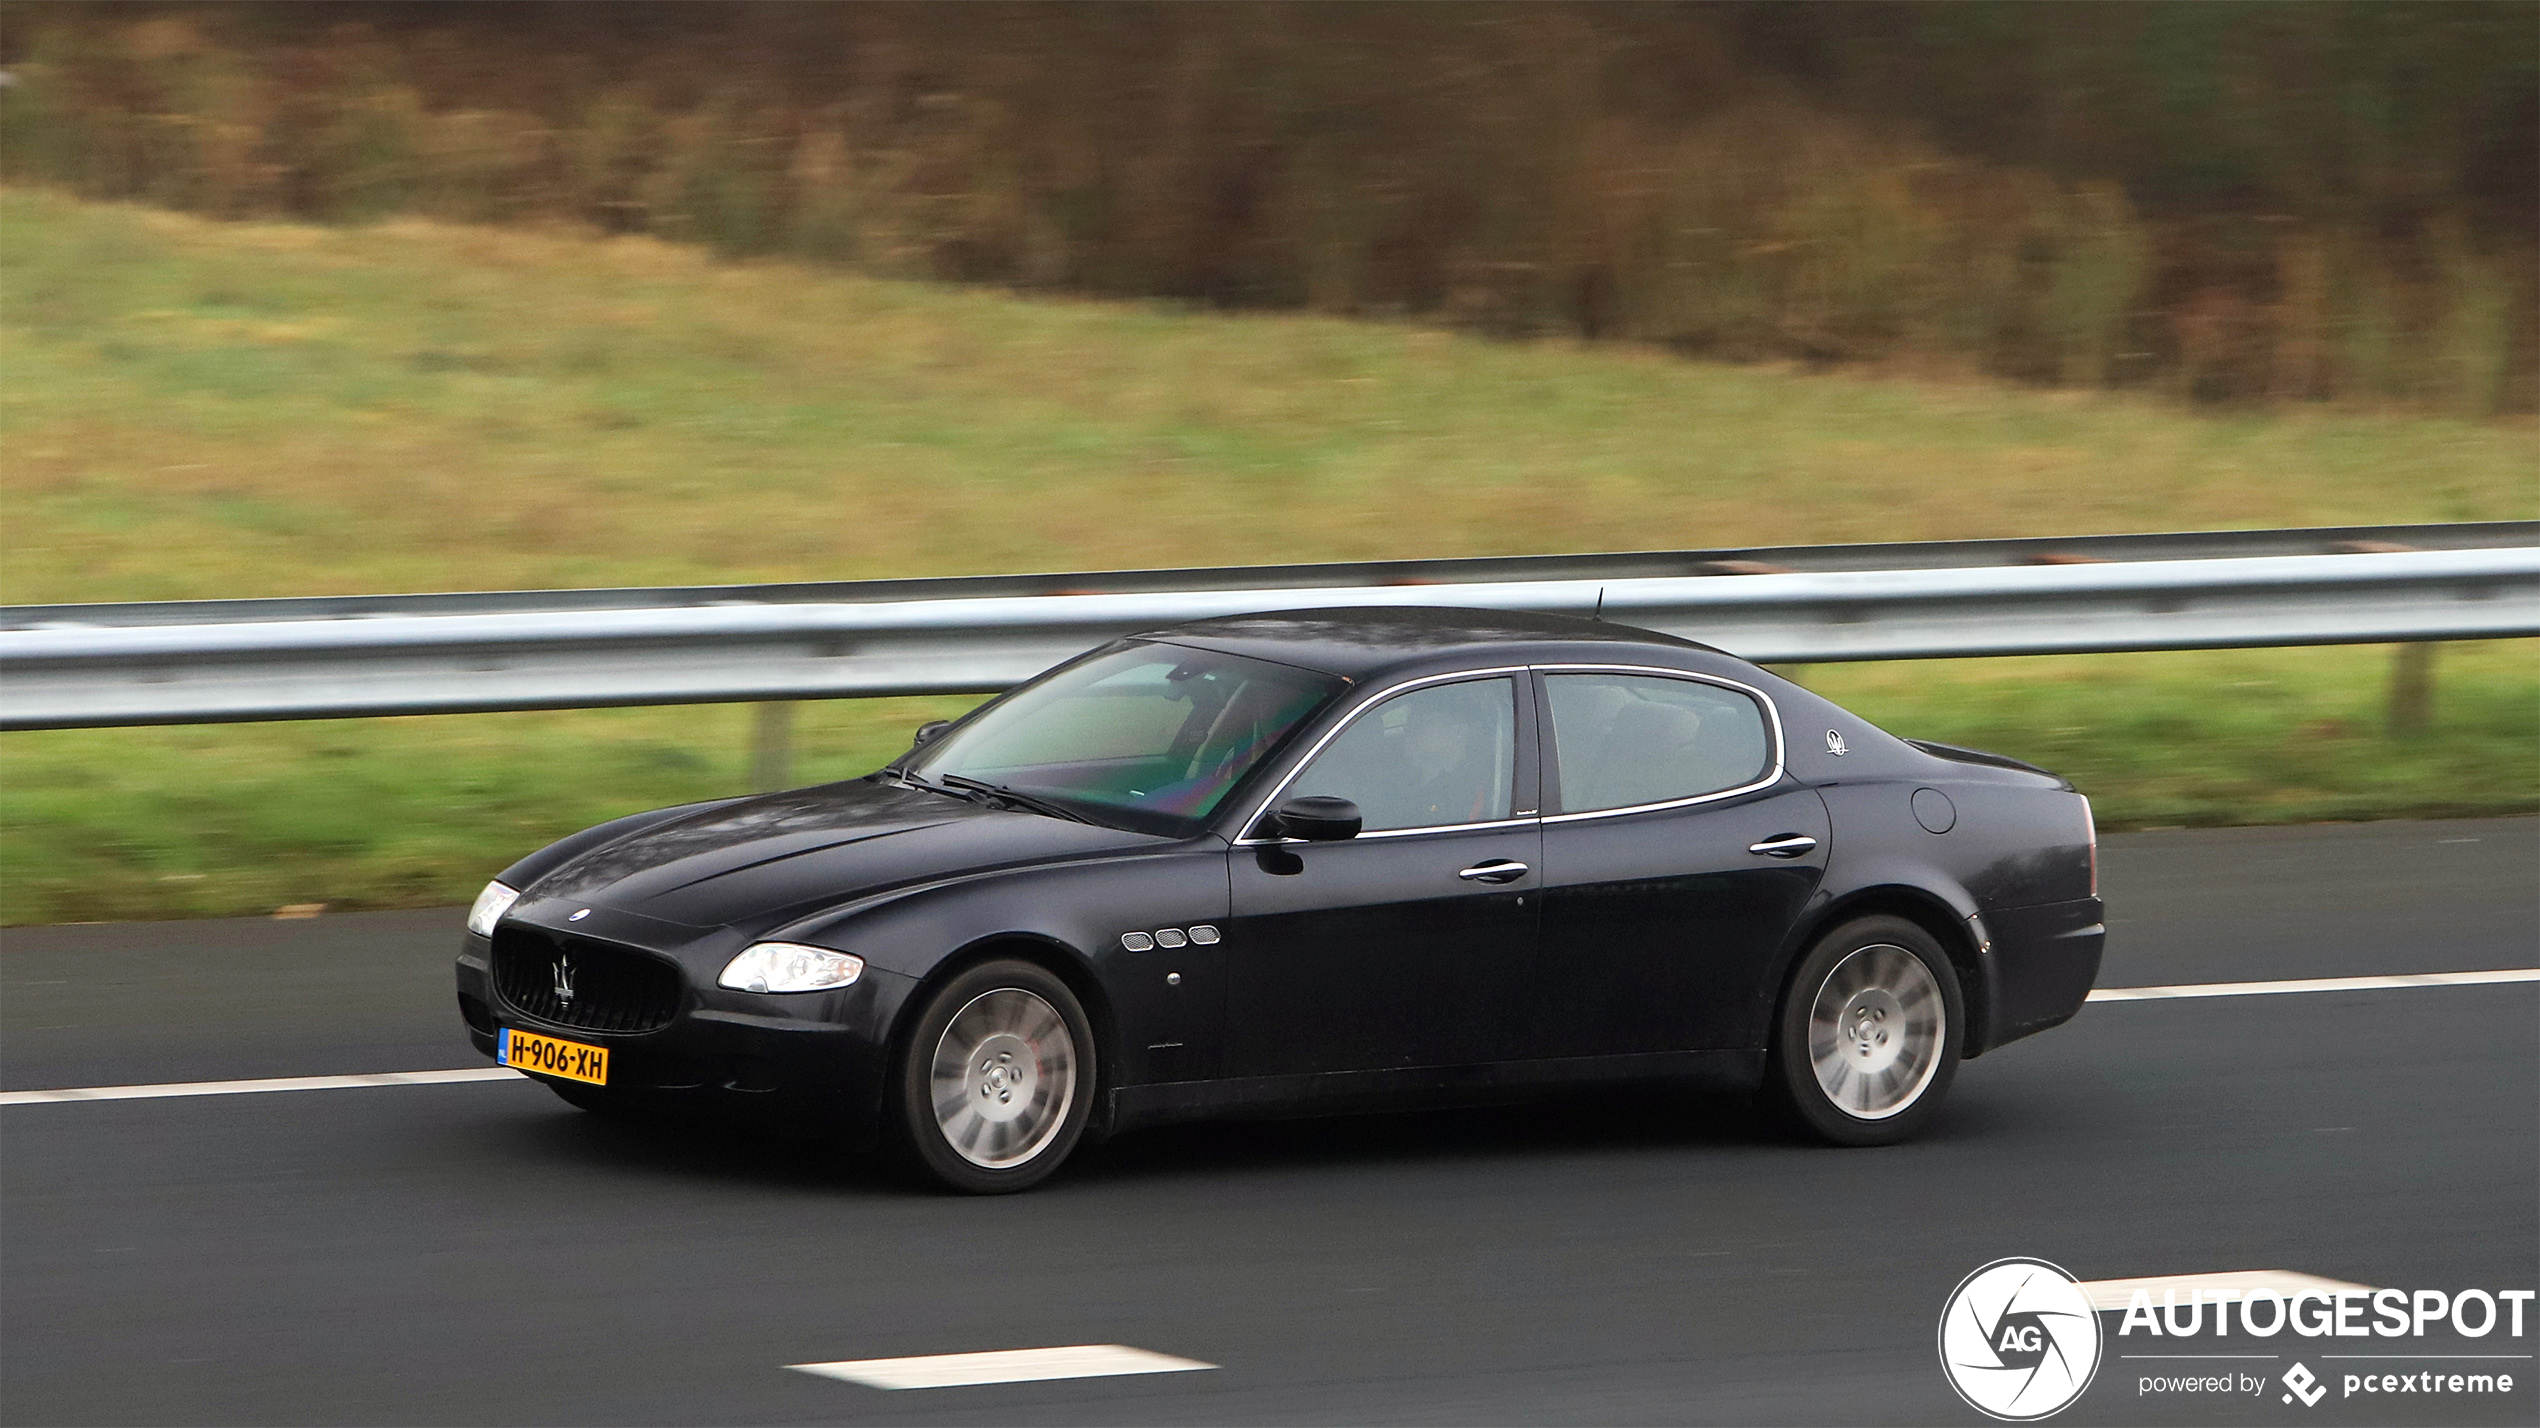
(2042, 964)
(798, 1065)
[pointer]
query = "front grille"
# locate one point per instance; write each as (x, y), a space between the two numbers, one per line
(613, 988)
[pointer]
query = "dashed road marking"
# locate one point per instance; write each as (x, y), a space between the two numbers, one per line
(2112, 1295)
(2316, 984)
(1003, 1366)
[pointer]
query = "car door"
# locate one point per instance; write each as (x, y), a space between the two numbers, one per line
(1409, 944)
(1675, 861)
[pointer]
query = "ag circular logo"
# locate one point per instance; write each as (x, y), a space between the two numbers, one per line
(2019, 1340)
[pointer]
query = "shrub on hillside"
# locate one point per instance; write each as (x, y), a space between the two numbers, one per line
(2289, 202)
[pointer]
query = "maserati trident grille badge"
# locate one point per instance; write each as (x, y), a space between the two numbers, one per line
(564, 980)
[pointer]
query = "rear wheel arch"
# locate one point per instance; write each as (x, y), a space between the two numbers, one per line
(1860, 1055)
(1924, 909)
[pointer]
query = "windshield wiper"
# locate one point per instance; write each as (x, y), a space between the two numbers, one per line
(910, 780)
(998, 791)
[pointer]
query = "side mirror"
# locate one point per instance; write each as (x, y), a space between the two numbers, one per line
(930, 731)
(1316, 819)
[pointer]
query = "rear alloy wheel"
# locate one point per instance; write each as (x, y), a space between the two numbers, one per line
(996, 1081)
(1867, 1039)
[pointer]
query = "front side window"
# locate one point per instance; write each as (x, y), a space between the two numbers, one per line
(1431, 758)
(1627, 739)
(1158, 733)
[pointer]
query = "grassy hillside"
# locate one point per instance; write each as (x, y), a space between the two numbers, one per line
(194, 409)
(199, 409)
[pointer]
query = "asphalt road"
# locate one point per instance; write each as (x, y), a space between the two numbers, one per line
(480, 1253)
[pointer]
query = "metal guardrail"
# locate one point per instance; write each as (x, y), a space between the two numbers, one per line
(62, 671)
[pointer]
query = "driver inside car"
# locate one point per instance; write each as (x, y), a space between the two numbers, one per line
(1451, 777)
(1432, 758)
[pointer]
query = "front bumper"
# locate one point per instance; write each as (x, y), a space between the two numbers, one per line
(810, 1064)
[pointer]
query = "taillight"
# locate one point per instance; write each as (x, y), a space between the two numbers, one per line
(2090, 826)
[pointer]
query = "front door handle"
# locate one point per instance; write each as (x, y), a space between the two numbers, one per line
(1784, 845)
(1497, 870)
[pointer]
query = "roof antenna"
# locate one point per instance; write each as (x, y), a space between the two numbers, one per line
(1600, 604)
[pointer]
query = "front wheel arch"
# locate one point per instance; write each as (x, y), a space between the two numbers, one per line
(1056, 958)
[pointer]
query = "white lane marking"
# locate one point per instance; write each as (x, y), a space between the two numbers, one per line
(504, 1073)
(2316, 984)
(1003, 1366)
(249, 1088)
(2113, 1295)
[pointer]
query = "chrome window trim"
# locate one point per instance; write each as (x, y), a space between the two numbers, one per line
(1772, 724)
(1526, 822)
(1379, 697)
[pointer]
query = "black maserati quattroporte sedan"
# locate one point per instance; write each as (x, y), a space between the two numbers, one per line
(1309, 861)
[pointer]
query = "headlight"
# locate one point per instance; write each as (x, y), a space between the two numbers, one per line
(789, 967)
(491, 904)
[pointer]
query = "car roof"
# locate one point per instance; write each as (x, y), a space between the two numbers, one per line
(1361, 642)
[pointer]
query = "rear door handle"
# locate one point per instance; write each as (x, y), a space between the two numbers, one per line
(1785, 845)
(1497, 870)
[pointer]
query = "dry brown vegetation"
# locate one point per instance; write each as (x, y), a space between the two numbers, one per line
(2270, 203)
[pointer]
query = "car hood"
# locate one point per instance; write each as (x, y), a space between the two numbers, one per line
(768, 860)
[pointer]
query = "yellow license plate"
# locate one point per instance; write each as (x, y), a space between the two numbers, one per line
(549, 1057)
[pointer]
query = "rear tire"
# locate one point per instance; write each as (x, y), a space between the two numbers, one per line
(1866, 1041)
(996, 1080)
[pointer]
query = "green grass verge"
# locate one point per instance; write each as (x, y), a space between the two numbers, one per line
(195, 409)
(230, 819)
(245, 818)
(2232, 736)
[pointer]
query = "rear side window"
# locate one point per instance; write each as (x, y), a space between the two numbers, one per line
(1626, 739)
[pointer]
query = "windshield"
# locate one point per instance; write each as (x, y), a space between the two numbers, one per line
(1160, 733)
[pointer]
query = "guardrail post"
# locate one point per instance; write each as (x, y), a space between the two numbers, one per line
(772, 747)
(2412, 688)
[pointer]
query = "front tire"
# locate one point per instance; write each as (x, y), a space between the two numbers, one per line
(996, 1080)
(1867, 1039)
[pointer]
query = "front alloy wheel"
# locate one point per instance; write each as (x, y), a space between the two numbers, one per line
(1004, 1078)
(1867, 1039)
(997, 1079)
